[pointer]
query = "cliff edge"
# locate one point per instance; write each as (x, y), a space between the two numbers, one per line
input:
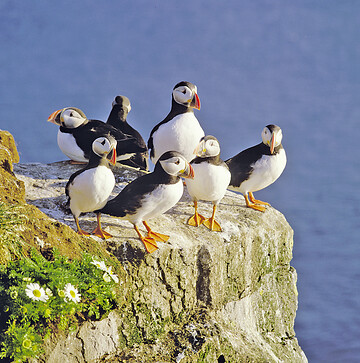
(202, 297)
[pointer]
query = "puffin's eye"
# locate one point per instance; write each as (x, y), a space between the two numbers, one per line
(177, 162)
(183, 91)
(103, 142)
(71, 114)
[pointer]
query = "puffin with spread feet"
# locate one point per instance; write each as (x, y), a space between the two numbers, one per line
(180, 130)
(76, 135)
(88, 189)
(120, 108)
(259, 166)
(151, 195)
(212, 177)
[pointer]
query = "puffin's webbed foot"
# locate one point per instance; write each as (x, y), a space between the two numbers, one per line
(155, 235)
(196, 220)
(254, 206)
(212, 224)
(256, 201)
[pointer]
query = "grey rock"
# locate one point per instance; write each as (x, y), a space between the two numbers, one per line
(201, 297)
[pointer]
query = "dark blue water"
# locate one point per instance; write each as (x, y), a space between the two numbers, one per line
(293, 63)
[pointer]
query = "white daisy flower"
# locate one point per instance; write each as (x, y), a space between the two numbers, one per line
(71, 293)
(106, 277)
(112, 275)
(99, 264)
(35, 292)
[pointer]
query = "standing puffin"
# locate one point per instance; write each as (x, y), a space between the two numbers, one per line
(151, 195)
(89, 189)
(77, 133)
(259, 166)
(212, 177)
(117, 118)
(180, 130)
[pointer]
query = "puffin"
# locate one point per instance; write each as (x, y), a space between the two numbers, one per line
(151, 195)
(88, 189)
(76, 135)
(117, 118)
(259, 166)
(212, 177)
(180, 130)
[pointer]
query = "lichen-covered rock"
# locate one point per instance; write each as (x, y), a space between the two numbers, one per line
(202, 297)
(11, 189)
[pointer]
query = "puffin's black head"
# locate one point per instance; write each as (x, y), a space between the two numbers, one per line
(185, 94)
(69, 117)
(122, 102)
(208, 147)
(105, 146)
(173, 163)
(271, 135)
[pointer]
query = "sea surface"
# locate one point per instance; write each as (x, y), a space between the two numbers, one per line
(292, 63)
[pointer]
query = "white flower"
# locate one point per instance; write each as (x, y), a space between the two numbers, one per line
(112, 275)
(106, 277)
(71, 293)
(35, 292)
(99, 264)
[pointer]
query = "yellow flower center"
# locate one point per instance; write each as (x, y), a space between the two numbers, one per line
(72, 293)
(37, 293)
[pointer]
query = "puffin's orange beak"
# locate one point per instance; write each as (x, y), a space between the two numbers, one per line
(272, 143)
(52, 117)
(188, 172)
(195, 103)
(113, 157)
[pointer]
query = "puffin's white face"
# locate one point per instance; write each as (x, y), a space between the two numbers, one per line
(207, 147)
(272, 136)
(185, 96)
(102, 146)
(177, 166)
(72, 117)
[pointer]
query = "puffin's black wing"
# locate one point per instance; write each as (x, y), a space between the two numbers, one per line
(240, 165)
(86, 134)
(129, 200)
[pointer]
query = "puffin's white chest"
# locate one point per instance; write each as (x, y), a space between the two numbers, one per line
(91, 189)
(265, 171)
(164, 197)
(69, 147)
(181, 134)
(209, 183)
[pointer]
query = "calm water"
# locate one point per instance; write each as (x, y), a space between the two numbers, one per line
(293, 63)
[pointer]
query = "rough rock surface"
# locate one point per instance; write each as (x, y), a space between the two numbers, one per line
(202, 297)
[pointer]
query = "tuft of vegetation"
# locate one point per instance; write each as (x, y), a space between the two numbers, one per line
(40, 297)
(11, 219)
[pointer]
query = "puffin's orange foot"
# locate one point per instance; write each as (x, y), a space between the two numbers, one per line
(101, 233)
(257, 207)
(81, 232)
(158, 236)
(256, 201)
(150, 244)
(212, 225)
(196, 220)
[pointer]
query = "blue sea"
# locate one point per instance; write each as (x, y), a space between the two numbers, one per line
(292, 63)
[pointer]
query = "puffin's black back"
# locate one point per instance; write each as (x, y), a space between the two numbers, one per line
(240, 165)
(130, 198)
(176, 109)
(87, 133)
(117, 119)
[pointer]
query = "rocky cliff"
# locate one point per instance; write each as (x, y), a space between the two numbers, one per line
(202, 297)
